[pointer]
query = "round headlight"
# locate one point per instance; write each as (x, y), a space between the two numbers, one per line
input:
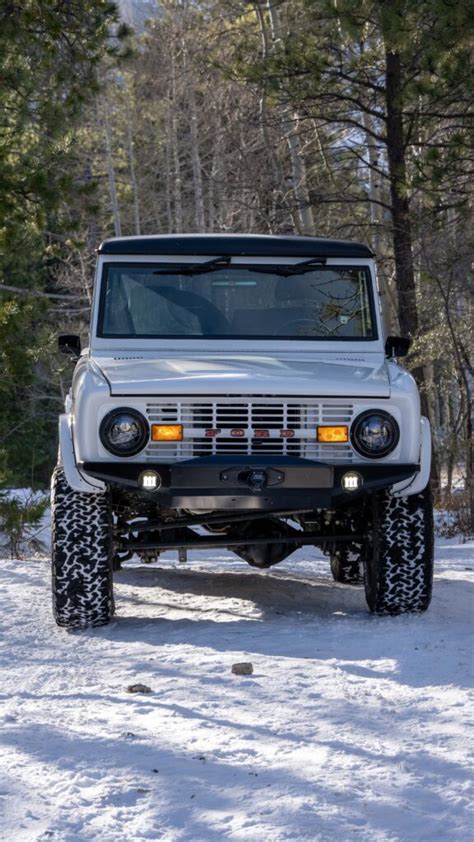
(375, 434)
(124, 432)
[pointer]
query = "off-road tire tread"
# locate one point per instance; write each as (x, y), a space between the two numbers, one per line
(399, 572)
(81, 556)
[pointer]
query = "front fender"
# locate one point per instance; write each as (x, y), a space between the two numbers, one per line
(76, 479)
(419, 481)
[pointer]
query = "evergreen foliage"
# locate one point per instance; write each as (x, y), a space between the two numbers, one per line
(50, 54)
(20, 523)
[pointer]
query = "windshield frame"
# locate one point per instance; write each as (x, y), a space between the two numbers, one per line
(333, 264)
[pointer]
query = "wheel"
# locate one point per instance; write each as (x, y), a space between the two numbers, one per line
(81, 556)
(399, 569)
(347, 565)
(347, 560)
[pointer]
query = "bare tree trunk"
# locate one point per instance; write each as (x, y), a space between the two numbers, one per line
(470, 461)
(199, 217)
(402, 235)
(168, 168)
(133, 177)
(290, 126)
(275, 168)
(298, 172)
(177, 184)
(110, 171)
(92, 228)
(214, 176)
(375, 177)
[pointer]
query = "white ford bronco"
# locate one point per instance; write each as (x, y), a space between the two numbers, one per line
(238, 392)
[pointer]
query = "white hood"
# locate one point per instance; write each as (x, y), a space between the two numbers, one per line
(343, 375)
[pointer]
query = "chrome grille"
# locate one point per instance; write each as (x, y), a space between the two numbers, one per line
(298, 416)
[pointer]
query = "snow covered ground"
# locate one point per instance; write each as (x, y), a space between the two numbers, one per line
(351, 727)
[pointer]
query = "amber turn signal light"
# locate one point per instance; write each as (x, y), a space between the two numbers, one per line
(166, 432)
(332, 435)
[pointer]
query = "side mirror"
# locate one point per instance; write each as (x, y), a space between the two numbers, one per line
(397, 346)
(69, 343)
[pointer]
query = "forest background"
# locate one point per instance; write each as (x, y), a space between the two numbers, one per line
(335, 118)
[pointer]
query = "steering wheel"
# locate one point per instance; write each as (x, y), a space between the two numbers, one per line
(285, 328)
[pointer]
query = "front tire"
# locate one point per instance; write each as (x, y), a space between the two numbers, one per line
(81, 556)
(399, 570)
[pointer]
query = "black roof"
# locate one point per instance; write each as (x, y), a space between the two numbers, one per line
(253, 245)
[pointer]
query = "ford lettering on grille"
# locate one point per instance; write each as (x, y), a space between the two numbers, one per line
(238, 433)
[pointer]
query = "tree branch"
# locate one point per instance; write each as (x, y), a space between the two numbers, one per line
(37, 294)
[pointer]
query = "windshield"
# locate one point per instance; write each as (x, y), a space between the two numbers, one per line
(151, 301)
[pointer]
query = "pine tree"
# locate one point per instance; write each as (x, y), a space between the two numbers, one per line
(50, 53)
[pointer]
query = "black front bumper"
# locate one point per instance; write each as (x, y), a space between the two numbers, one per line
(221, 482)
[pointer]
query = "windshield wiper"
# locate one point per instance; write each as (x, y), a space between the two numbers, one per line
(195, 268)
(296, 269)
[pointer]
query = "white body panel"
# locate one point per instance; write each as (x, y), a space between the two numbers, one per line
(283, 373)
(67, 459)
(132, 372)
(93, 400)
(420, 480)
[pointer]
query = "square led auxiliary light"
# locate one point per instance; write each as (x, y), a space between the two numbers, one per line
(333, 435)
(166, 432)
(352, 481)
(149, 480)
